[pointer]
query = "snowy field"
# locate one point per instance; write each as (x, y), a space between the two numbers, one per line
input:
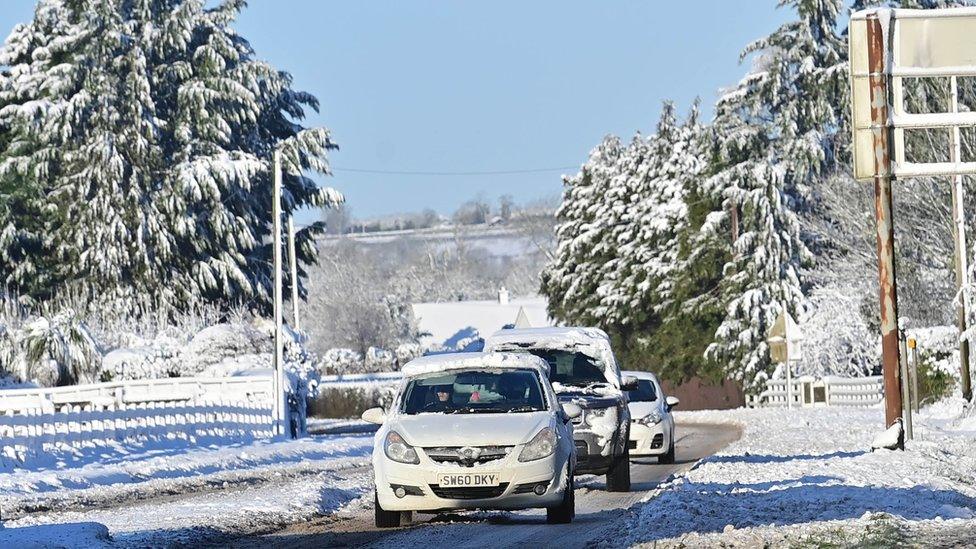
(808, 478)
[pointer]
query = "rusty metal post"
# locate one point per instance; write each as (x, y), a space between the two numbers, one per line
(961, 260)
(881, 131)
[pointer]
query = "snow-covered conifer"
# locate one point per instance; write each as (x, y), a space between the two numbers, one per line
(572, 278)
(140, 134)
(775, 131)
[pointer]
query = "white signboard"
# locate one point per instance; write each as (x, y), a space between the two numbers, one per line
(918, 44)
(784, 339)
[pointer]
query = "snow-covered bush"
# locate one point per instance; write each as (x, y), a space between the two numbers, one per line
(407, 352)
(51, 352)
(938, 361)
(154, 361)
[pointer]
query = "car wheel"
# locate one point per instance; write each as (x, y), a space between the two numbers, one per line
(618, 477)
(566, 510)
(668, 457)
(384, 518)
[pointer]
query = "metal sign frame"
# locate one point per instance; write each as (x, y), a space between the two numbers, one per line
(916, 44)
(886, 47)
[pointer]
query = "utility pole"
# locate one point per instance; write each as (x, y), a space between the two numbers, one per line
(293, 261)
(962, 265)
(881, 138)
(279, 378)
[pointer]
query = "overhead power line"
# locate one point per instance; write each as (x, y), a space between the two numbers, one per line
(440, 173)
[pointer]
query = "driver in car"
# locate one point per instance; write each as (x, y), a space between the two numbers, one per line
(443, 401)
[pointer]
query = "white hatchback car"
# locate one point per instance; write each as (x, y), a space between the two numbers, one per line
(651, 422)
(474, 431)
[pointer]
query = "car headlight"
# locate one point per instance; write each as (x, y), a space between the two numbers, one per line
(652, 418)
(593, 416)
(398, 450)
(543, 444)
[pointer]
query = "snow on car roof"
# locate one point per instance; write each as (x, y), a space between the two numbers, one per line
(640, 375)
(455, 361)
(560, 334)
(593, 342)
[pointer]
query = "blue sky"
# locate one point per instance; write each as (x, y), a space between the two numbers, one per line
(436, 86)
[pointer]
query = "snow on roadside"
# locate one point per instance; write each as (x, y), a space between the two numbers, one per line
(152, 496)
(808, 476)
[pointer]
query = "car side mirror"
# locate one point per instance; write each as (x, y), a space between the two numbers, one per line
(374, 415)
(672, 402)
(572, 411)
(628, 383)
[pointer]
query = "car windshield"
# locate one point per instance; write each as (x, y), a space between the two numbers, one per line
(474, 392)
(571, 367)
(644, 393)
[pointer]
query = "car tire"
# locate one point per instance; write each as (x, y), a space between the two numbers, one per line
(618, 477)
(566, 510)
(384, 518)
(669, 456)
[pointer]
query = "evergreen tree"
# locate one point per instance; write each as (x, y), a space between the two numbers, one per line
(138, 139)
(571, 279)
(776, 135)
(648, 243)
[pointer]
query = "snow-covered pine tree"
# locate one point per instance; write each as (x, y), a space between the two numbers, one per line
(687, 309)
(572, 278)
(775, 131)
(141, 134)
(648, 243)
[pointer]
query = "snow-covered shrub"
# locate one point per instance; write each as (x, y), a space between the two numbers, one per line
(52, 352)
(938, 361)
(340, 361)
(214, 344)
(378, 360)
(407, 352)
(148, 362)
(836, 338)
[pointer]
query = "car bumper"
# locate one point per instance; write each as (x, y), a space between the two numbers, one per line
(649, 440)
(594, 454)
(516, 480)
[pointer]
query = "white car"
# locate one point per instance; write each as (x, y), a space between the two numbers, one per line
(474, 431)
(651, 423)
(583, 371)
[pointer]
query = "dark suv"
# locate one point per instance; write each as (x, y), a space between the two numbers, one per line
(583, 371)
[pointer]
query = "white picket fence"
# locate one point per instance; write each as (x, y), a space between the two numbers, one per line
(827, 391)
(35, 420)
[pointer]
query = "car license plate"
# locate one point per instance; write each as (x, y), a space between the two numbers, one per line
(465, 480)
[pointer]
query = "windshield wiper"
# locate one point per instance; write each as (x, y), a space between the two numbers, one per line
(523, 409)
(470, 410)
(585, 385)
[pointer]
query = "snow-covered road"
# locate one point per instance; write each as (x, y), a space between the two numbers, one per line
(600, 514)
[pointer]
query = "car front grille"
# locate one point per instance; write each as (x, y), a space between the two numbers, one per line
(469, 492)
(468, 458)
(658, 441)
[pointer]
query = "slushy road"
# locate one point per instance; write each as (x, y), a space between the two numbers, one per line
(600, 515)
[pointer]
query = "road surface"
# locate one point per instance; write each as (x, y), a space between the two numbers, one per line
(599, 514)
